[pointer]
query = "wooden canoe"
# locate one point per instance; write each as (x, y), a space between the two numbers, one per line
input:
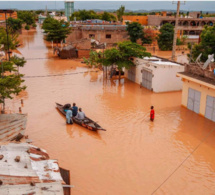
(87, 122)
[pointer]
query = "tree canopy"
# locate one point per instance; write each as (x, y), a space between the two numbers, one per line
(84, 15)
(123, 54)
(165, 38)
(10, 84)
(94, 59)
(207, 44)
(55, 30)
(108, 17)
(135, 31)
(90, 14)
(27, 17)
(147, 36)
(18, 61)
(120, 12)
(12, 40)
(14, 24)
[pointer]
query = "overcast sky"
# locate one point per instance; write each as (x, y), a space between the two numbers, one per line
(105, 5)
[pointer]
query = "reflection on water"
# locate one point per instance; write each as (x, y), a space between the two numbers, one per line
(134, 155)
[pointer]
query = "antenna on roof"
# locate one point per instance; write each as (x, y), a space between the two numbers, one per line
(209, 60)
(198, 59)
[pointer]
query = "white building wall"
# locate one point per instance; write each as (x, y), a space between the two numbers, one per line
(164, 75)
(165, 78)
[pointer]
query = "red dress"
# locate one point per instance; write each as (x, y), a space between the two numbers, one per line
(152, 115)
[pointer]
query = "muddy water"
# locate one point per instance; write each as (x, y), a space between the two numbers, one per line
(134, 155)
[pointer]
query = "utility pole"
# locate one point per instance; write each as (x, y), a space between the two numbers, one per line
(8, 48)
(190, 59)
(175, 31)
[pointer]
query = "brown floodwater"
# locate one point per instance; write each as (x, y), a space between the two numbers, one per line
(134, 156)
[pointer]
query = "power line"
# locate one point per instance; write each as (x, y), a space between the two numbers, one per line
(40, 58)
(183, 161)
(54, 75)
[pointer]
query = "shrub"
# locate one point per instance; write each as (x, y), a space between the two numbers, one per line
(34, 25)
(27, 27)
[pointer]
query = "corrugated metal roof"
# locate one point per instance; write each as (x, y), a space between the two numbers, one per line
(11, 125)
(32, 172)
(54, 188)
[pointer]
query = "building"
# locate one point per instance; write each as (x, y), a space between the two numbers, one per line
(191, 25)
(156, 74)
(198, 92)
(69, 9)
(141, 19)
(5, 14)
(8, 14)
(41, 17)
(109, 34)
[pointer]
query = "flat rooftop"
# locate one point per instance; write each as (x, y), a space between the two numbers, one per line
(161, 61)
(198, 78)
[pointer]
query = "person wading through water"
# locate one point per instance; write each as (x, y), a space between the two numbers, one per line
(152, 113)
(69, 116)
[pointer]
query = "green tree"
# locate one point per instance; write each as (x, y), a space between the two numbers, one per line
(55, 30)
(123, 54)
(85, 15)
(108, 17)
(147, 36)
(94, 59)
(10, 42)
(14, 24)
(10, 84)
(39, 12)
(18, 61)
(34, 25)
(27, 27)
(188, 14)
(207, 44)
(120, 12)
(135, 31)
(27, 17)
(165, 38)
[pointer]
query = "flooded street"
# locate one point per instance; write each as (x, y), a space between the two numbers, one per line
(134, 156)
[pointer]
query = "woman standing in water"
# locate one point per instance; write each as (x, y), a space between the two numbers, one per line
(152, 113)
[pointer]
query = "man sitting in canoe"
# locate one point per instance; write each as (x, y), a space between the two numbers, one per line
(74, 110)
(80, 115)
(69, 116)
(66, 107)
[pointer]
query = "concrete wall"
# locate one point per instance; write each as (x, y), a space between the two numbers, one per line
(83, 53)
(9, 15)
(204, 92)
(99, 35)
(141, 19)
(154, 20)
(164, 78)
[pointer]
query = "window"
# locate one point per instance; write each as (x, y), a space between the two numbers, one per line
(91, 35)
(108, 36)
